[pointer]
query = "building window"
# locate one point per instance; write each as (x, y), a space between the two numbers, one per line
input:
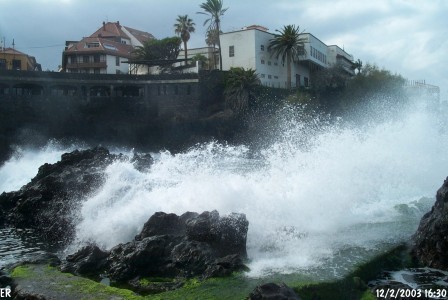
(97, 71)
(96, 58)
(231, 51)
(275, 63)
(262, 61)
(269, 76)
(305, 79)
(262, 47)
(16, 64)
(117, 61)
(85, 59)
(2, 64)
(262, 75)
(275, 77)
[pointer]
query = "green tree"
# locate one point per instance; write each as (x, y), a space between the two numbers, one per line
(240, 87)
(199, 57)
(159, 52)
(357, 65)
(289, 45)
(213, 9)
(183, 28)
(212, 39)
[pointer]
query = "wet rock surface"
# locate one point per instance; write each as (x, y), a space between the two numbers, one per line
(47, 203)
(192, 244)
(431, 239)
(273, 291)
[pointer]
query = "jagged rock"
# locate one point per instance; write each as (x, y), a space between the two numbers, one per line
(142, 161)
(47, 203)
(204, 245)
(226, 235)
(148, 257)
(273, 291)
(88, 260)
(225, 266)
(161, 223)
(431, 239)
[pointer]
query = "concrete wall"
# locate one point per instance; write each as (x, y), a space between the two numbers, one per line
(106, 108)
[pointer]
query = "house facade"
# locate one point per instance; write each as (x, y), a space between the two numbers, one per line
(248, 48)
(12, 59)
(106, 51)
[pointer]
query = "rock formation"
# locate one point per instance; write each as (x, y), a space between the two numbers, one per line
(204, 245)
(431, 239)
(47, 202)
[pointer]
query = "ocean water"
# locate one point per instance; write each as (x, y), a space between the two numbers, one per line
(319, 197)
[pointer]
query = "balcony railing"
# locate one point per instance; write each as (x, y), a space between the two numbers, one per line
(87, 65)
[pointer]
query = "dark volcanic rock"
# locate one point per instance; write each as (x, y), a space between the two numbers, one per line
(47, 202)
(161, 223)
(88, 260)
(431, 239)
(273, 291)
(142, 161)
(204, 245)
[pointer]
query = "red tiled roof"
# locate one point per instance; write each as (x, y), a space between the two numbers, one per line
(113, 30)
(105, 45)
(110, 29)
(142, 36)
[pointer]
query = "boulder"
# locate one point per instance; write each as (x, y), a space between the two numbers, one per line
(49, 202)
(88, 260)
(272, 291)
(161, 223)
(204, 245)
(430, 242)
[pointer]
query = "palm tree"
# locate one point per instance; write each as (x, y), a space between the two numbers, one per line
(357, 65)
(183, 28)
(212, 39)
(289, 45)
(213, 8)
(240, 86)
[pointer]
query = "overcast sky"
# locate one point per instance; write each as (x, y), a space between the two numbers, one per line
(409, 37)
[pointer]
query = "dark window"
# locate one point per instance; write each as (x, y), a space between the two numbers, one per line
(262, 47)
(117, 61)
(269, 76)
(231, 51)
(305, 79)
(85, 59)
(96, 58)
(97, 71)
(16, 64)
(2, 64)
(262, 61)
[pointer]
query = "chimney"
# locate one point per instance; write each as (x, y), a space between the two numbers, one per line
(118, 23)
(104, 25)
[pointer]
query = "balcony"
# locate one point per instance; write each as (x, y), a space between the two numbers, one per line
(101, 64)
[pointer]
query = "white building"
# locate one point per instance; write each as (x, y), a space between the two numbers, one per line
(104, 51)
(248, 48)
